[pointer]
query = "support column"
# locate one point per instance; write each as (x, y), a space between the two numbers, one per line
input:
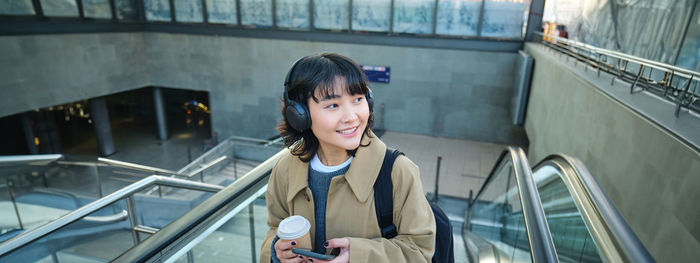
(534, 19)
(54, 136)
(103, 129)
(29, 134)
(49, 141)
(160, 114)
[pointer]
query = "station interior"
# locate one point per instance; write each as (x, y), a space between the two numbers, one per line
(547, 130)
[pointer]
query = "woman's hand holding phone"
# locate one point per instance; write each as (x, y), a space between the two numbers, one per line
(341, 243)
(283, 249)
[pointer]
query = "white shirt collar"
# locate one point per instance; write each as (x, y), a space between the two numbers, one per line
(318, 166)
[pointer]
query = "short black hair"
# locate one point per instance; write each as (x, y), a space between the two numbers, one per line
(311, 74)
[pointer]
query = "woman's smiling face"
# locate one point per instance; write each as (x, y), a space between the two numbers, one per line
(339, 119)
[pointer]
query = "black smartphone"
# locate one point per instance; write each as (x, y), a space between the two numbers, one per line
(310, 254)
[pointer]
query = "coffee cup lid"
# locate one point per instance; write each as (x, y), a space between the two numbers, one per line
(293, 227)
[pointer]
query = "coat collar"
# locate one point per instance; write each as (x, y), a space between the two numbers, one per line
(361, 175)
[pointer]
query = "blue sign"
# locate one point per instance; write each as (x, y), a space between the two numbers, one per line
(377, 74)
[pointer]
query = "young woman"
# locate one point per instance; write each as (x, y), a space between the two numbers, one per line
(328, 174)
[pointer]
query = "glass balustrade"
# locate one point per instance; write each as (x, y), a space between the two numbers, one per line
(497, 218)
(234, 238)
(571, 236)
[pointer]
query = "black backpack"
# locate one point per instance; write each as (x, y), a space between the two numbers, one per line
(384, 206)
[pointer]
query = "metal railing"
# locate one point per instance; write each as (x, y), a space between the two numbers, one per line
(613, 237)
(139, 167)
(37, 159)
(540, 241)
(126, 193)
(666, 81)
(221, 154)
(178, 237)
(226, 148)
(155, 170)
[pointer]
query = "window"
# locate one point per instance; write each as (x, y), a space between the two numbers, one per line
(331, 14)
(59, 8)
(371, 15)
(97, 9)
(413, 16)
(16, 7)
(188, 11)
(222, 11)
(256, 12)
(126, 9)
(292, 14)
(503, 18)
(458, 17)
(157, 10)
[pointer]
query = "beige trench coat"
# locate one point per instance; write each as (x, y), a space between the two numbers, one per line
(350, 208)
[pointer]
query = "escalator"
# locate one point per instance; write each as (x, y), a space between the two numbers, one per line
(80, 209)
(557, 213)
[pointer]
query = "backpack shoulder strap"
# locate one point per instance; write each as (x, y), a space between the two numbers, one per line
(383, 195)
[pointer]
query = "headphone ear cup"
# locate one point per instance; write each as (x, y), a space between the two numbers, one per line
(298, 116)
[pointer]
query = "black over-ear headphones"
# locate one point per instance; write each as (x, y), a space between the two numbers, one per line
(297, 113)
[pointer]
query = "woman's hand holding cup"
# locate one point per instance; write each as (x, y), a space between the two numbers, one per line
(293, 232)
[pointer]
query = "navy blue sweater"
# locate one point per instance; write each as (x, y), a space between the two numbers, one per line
(319, 183)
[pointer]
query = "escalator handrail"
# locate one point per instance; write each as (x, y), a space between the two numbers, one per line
(30, 236)
(173, 231)
(616, 227)
(541, 243)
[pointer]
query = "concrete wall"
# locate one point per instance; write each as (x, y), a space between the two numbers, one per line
(651, 177)
(439, 92)
(45, 70)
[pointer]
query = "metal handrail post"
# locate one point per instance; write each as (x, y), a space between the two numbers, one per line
(132, 220)
(681, 97)
(45, 177)
(251, 224)
(96, 170)
(189, 154)
(437, 179)
(639, 75)
(160, 191)
(233, 156)
(10, 183)
(600, 61)
(190, 257)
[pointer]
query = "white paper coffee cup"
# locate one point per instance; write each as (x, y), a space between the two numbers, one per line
(295, 228)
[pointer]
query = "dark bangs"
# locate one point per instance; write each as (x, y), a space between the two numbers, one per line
(352, 76)
(320, 72)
